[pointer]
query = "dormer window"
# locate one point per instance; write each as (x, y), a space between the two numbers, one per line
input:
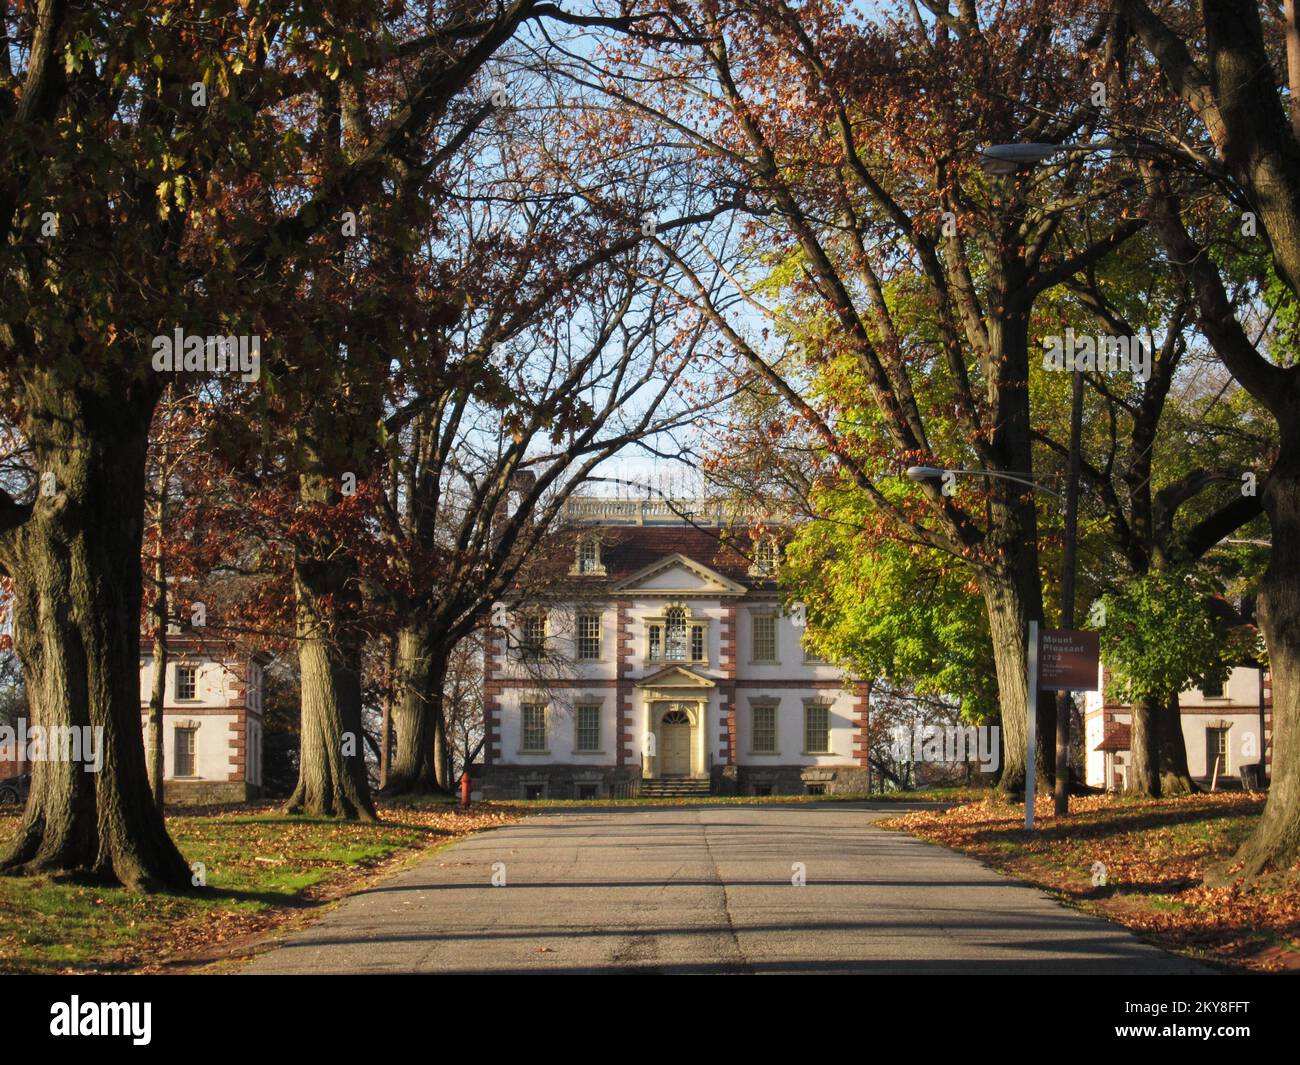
(587, 561)
(765, 558)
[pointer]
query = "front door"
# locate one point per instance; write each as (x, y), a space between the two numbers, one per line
(675, 744)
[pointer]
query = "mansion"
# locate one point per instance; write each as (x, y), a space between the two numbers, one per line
(661, 662)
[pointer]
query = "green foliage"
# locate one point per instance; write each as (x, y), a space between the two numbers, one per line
(1160, 637)
(883, 608)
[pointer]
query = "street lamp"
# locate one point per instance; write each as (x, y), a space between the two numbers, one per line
(1004, 159)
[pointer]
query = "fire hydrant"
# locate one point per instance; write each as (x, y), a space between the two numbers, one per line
(464, 788)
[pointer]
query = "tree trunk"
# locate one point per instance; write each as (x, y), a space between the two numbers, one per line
(157, 693)
(1275, 842)
(444, 768)
(1144, 772)
(75, 563)
(419, 754)
(158, 613)
(1009, 620)
(386, 724)
(1175, 777)
(332, 778)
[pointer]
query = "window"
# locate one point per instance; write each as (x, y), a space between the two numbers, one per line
(764, 558)
(764, 649)
(817, 729)
(1212, 689)
(534, 727)
(810, 656)
(677, 637)
(675, 634)
(588, 791)
(697, 643)
(1216, 748)
(533, 636)
(587, 728)
(588, 626)
(588, 560)
(184, 761)
(534, 791)
(187, 682)
(763, 740)
(814, 789)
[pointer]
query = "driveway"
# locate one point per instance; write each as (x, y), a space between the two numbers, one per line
(708, 889)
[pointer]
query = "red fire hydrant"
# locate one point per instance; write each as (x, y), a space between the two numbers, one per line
(464, 788)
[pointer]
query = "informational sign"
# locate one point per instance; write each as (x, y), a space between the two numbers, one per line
(1068, 660)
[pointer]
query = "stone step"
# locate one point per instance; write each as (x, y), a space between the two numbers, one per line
(674, 789)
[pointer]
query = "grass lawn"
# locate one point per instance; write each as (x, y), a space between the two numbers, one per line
(1155, 854)
(265, 871)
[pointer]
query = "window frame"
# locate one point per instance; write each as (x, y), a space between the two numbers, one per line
(524, 727)
(767, 557)
(656, 639)
(192, 753)
(528, 649)
(599, 620)
(767, 615)
(811, 706)
(597, 563)
(755, 707)
(595, 709)
(192, 671)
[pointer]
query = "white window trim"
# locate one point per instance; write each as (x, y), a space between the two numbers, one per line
(176, 683)
(765, 702)
(758, 568)
(545, 749)
(599, 707)
(819, 704)
(772, 612)
(576, 569)
(693, 621)
(599, 615)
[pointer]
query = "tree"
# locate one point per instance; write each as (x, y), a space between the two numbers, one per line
(1220, 65)
(1160, 638)
(164, 146)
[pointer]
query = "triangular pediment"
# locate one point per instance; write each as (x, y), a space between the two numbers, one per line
(676, 677)
(679, 575)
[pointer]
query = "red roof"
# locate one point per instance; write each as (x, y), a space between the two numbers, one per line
(627, 549)
(1118, 737)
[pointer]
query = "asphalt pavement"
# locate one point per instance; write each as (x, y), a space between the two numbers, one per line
(798, 888)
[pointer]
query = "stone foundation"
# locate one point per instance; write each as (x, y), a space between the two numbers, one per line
(208, 792)
(622, 782)
(801, 780)
(557, 781)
